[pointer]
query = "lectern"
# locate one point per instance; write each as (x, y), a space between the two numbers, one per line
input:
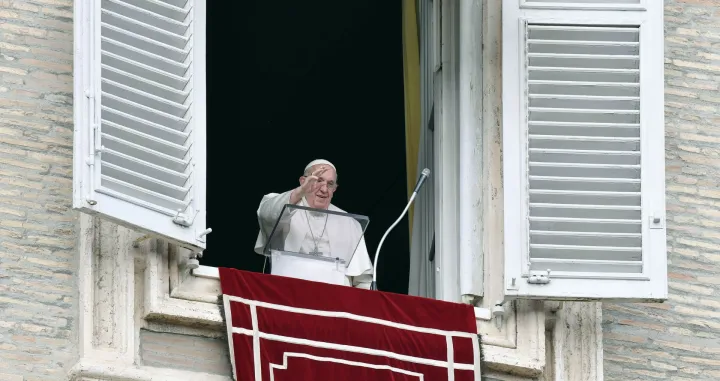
(319, 247)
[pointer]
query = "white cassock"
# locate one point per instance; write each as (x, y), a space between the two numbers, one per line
(307, 232)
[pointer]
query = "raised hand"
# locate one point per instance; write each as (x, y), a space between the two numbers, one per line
(310, 186)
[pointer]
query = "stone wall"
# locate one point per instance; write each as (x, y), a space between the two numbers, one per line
(171, 350)
(680, 339)
(38, 229)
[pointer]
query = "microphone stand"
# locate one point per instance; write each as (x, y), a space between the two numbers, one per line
(425, 174)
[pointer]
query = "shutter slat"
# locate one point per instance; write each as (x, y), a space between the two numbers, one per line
(538, 87)
(144, 153)
(563, 75)
(177, 3)
(584, 160)
(584, 61)
(590, 130)
(139, 166)
(145, 85)
(610, 253)
(587, 266)
(584, 156)
(592, 33)
(583, 239)
(600, 143)
(582, 83)
(622, 212)
(161, 104)
(165, 204)
(178, 26)
(144, 71)
(146, 182)
(144, 126)
(149, 43)
(580, 43)
(161, 35)
(148, 100)
(144, 112)
(616, 50)
(584, 115)
(163, 146)
(583, 97)
(161, 8)
(584, 170)
(605, 104)
(584, 184)
(600, 59)
(587, 198)
(588, 225)
(142, 57)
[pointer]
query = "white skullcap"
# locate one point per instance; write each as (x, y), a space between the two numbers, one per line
(320, 161)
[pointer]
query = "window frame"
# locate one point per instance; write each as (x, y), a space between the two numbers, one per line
(518, 346)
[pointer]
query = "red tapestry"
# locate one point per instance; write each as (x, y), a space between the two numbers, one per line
(284, 329)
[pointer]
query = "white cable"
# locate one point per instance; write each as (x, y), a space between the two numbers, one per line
(377, 252)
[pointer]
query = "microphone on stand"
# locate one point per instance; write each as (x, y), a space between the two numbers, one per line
(423, 176)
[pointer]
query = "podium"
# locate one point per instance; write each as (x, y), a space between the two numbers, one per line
(314, 244)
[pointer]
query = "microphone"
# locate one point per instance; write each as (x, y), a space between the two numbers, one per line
(423, 176)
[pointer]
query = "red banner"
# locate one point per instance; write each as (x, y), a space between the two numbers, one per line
(284, 329)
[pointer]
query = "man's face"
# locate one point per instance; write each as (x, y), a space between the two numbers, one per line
(326, 186)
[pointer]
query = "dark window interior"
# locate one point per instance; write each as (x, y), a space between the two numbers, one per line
(291, 81)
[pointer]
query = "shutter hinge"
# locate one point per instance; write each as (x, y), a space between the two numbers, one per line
(539, 277)
(187, 217)
(95, 147)
(97, 142)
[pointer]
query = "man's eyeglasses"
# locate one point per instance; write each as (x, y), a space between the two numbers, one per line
(331, 185)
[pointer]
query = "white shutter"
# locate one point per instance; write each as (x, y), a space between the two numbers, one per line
(583, 154)
(140, 115)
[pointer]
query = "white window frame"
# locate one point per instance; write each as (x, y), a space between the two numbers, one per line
(459, 156)
(518, 346)
(451, 178)
(87, 153)
(651, 285)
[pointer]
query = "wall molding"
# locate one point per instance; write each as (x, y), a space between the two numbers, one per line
(92, 370)
(106, 291)
(578, 342)
(186, 306)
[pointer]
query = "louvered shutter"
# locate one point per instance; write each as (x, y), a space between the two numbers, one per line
(140, 115)
(583, 154)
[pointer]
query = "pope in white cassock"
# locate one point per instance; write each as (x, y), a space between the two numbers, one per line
(307, 232)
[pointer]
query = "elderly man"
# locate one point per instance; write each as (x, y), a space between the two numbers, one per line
(307, 232)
